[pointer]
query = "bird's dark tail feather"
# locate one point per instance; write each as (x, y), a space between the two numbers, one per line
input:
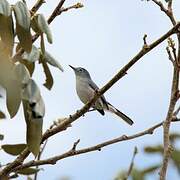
(113, 110)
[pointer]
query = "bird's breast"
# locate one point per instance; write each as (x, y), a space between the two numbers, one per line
(84, 91)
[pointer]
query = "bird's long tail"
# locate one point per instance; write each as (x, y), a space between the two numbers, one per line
(113, 110)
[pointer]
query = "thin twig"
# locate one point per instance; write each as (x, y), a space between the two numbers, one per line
(144, 39)
(170, 55)
(39, 157)
(75, 145)
(132, 163)
(98, 147)
(166, 11)
(75, 6)
(171, 45)
(170, 14)
(177, 111)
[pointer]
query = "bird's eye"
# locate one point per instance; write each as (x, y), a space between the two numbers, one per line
(80, 70)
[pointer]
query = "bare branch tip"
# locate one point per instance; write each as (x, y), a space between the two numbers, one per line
(145, 45)
(78, 5)
(75, 145)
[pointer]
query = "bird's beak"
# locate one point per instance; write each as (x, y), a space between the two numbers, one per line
(72, 67)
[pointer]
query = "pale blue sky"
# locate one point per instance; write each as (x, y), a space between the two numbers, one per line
(102, 37)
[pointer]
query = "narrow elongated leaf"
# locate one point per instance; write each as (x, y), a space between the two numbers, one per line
(31, 92)
(42, 44)
(5, 8)
(44, 27)
(25, 38)
(12, 86)
(154, 149)
(52, 61)
(13, 97)
(150, 169)
(13, 149)
(33, 129)
(33, 56)
(7, 33)
(34, 25)
(34, 134)
(40, 26)
(22, 15)
(21, 73)
(34, 111)
(49, 79)
(28, 171)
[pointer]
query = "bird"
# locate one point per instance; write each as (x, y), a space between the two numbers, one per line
(86, 88)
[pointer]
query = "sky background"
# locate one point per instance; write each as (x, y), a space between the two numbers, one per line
(102, 37)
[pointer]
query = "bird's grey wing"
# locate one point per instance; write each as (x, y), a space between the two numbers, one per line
(95, 87)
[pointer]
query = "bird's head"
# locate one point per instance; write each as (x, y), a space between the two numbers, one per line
(80, 72)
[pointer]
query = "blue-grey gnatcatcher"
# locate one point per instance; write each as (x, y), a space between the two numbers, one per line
(85, 88)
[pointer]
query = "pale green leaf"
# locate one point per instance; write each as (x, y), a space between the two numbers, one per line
(154, 149)
(33, 56)
(21, 73)
(34, 111)
(22, 15)
(25, 38)
(34, 134)
(13, 97)
(137, 174)
(34, 25)
(7, 33)
(42, 44)
(28, 171)
(40, 26)
(44, 27)
(33, 130)
(150, 169)
(49, 79)
(52, 61)
(31, 92)
(5, 8)
(13, 149)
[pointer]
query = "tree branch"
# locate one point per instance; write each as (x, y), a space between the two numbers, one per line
(118, 76)
(36, 6)
(168, 11)
(174, 90)
(167, 122)
(98, 147)
(85, 108)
